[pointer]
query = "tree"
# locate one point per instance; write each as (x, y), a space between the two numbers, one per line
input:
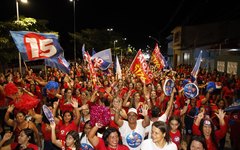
(98, 39)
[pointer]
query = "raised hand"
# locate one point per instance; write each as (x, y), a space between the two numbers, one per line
(144, 110)
(10, 108)
(53, 125)
(74, 103)
(201, 115)
(98, 125)
(7, 136)
(220, 114)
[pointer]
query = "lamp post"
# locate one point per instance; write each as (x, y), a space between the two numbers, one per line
(74, 30)
(19, 55)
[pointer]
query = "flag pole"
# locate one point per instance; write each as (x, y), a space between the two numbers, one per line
(20, 63)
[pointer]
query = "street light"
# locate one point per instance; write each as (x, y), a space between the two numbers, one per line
(110, 29)
(74, 30)
(19, 55)
(114, 44)
(17, 8)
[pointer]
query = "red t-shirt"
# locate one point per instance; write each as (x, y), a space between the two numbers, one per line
(64, 129)
(219, 134)
(101, 146)
(33, 146)
(176, 137)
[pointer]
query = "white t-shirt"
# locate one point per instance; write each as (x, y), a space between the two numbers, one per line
(132, 138)
(149, 145)
(148, 129)
(85, 144)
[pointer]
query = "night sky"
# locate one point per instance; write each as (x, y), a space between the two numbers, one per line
(135, 20)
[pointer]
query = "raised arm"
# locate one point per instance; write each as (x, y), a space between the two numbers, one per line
(117, 118)
(5, 138)
(53, 136)
(146, 121)
(92, 135)
(170, 103)
(9, 121)
(74, 103)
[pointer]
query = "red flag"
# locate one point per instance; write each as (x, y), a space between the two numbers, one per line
(140, 68)
(158, 58)
(87, 58)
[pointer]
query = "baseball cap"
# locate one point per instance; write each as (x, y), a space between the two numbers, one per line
(132, 110)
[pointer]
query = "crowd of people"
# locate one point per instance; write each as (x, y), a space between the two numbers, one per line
(141, 116)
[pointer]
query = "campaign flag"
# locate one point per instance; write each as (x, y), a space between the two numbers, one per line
(106, 55)
(58, 62)
(100, 63)
(158, 58)
(118, 69)
(102, 59)
(93, 52)
(83, 50)
(87, 58)
(197, 65)
(35, 46)
(140, 68)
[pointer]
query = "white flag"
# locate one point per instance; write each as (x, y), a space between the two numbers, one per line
(118, 69)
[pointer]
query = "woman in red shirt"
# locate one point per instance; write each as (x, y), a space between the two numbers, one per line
(72, 141)
(204, 126)
(111, 139)
(25, 140)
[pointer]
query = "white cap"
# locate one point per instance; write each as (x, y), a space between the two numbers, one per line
(132, 110)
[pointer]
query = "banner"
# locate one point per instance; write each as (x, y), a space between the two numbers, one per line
(58, 62)
(141, 69)
(35, 46)
(83, 51)
(158, 58)
(87, 58)
(106, 55)
(118, 69)
(197, 65)
(102, 59)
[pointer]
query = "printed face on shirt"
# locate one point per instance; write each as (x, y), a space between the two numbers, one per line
(157, 134)
(113, 140)
(22, 138)
(69, 141)
(195, 145)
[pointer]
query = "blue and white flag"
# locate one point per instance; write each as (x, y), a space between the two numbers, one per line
(197, 65)
(83, 50)
(118, 69)
(35, 46)
(106, 55)
(58, 62)
(102, 59)
(93, 52)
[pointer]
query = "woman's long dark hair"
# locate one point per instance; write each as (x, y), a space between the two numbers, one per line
(162, 126)
(198, 138)
(107, 132)
(71, 113)
(212, 135)
(75, 136)
(83, 133)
